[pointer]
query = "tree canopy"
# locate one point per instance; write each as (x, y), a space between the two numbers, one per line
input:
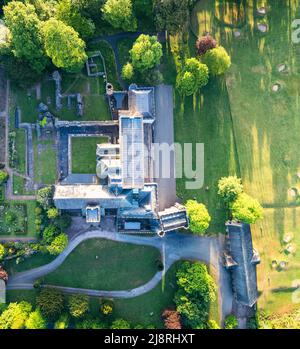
(25, 36)
(120, 324)
(36, 321)
(69, 13)
(229, 188)
(196, 290)
(78, 305)
(63, 45)
(246, 209)
(217, 60)
(51, 303)
(198, 216)
(119, 13)
(192, 77)
(15, 316)
(2, 251)
(146, 52)
(58, 244)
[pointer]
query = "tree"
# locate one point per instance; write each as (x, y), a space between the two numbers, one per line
(78, 305)
(171, 15)
(44, 197)
(52, 213)
(62, 323)
(192, 77)
(3, 176)
(119, 14)
(198, 216)
(146, 52)
(231, 322)
(68, 12)
(36, 321)
(229, 188)
(246, 209)
(127, 71)
(172, 319)
(25, 37)
(143, 8)
(63, 222)
(120, 324)
(2, 251)
(196, 290)
(51, 303)
(217, 60)
(15, 316)
(58, 244)
(44, 9)
(63, 45)
(205, 43)
(49, 234)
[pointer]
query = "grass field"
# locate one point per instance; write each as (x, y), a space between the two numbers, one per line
(249, 129)
(44, 160)
(84, 153)
(106, 265)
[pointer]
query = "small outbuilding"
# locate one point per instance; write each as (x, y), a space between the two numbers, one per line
(241, 259)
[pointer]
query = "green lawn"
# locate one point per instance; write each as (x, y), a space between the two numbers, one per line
(19, 186)
(249, 129)
(84, 153)
(106, 265)
(44, 160)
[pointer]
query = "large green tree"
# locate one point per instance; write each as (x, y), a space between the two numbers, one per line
(15, 316)
(229, 188)
(68, 12)
(58, 244)
(119, 13)
(196, 291)
(217, 60)
(198, 216)
(25, 36)
(51, 303)
(64, 46)
(246, 209)
(192, 77)
(146, 52)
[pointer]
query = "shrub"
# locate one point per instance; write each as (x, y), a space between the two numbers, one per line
(44, 197)
(198, 216)
(51, 303)
(127, 71)
(231, 322)
(52, 213)
(246, 209)
(89, 323)
(3, 176)
(78, 305)
(62, 323)
(205, 43)
(2, 251)
(36, 321)
(192, 77)
(172, 319)
(217, 60)
(229, 188)
(120, 324)
(49, 234)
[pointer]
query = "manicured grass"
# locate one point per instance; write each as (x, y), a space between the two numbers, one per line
(84, 153)
(20, 151)
(124, 46)
(34, 261)
(265, 128)
(44, 161)
(106, 265)
(19, 186)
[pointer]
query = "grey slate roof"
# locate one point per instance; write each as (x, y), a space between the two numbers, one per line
(244, 261)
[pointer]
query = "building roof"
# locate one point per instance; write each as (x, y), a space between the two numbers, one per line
(174, 218)
(243, 262)
(140, 101)
(132, 154)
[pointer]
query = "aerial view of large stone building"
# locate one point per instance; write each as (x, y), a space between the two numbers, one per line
(124, 186)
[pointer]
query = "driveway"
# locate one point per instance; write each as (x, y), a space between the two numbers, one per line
(164, 133)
